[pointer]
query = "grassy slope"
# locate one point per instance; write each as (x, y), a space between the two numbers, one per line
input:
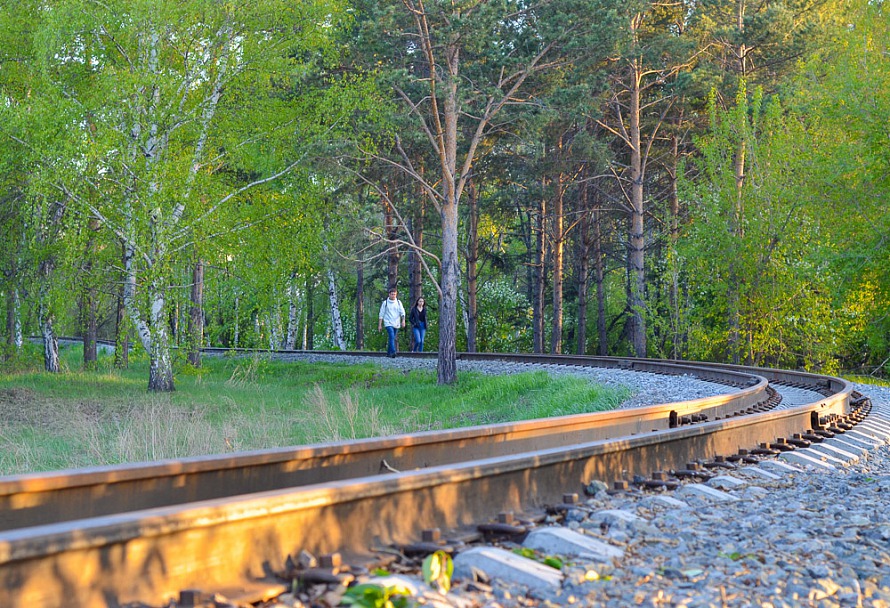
(87, 418)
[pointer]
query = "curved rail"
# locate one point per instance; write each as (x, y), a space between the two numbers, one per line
(152, 554)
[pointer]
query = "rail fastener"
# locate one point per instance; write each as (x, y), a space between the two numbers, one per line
(798, 441)
(813, 436)
(765, 450)
(507, 525)
(694, 470)
(719, 462)
(781, 445)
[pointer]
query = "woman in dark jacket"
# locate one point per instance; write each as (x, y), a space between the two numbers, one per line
(417, 318)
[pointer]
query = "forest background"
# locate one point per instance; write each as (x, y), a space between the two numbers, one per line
(694, 179)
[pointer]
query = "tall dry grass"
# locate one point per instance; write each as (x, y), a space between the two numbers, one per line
(345, 418)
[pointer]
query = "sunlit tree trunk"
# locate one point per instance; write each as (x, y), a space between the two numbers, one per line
(636, 238)
(539, 275)
(472, 270)
(677, 332)
(447, 361)
(583, 266)
(558, 253)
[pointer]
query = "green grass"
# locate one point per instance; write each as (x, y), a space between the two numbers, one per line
(868, 380)
(85, 418)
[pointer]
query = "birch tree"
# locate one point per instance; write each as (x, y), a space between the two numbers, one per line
(189, 116)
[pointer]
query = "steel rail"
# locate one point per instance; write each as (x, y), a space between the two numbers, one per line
(150, 555)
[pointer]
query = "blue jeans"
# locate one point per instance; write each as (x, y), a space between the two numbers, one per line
(419, 335)
(391, 333)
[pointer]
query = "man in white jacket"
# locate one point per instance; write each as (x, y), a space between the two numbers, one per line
(392, 316)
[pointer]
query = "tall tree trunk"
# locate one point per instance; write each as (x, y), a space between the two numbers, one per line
(674, 277)
(733, 297)
(539, 277)
(558, 250)
(47, 319)
(293, 316)
(196, 315)
(583, 266)
(415, 268)
(90, 329)
(636, 240)
(14, 338)
(121, 335)
(50, 343)
(333, 298)
(472, 270)
(274, 335)
(309, 339)
(446, 368)
(599, 278)
(160, 373)
(55, 213)
(360, 305)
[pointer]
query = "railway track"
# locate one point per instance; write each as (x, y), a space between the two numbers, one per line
(108, 536)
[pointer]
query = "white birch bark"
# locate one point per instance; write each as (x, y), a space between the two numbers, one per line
(130, 298)
(293, 315)
(336, 319)
(50, 343)
(274, 333)
(18, 336)
(160, 374)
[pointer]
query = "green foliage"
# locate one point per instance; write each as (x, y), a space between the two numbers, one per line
(504, 319)
(758, 245)
(438, 568)
(548, 560)
(840, 93)
(370, 595)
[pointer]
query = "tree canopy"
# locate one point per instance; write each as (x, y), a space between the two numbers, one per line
(694, 180)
